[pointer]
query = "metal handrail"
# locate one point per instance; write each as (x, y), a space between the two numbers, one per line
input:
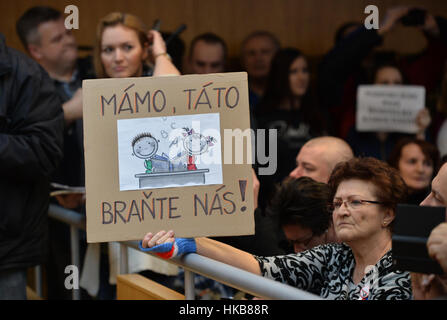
(234, 277)
(67, 216)
(237, 278)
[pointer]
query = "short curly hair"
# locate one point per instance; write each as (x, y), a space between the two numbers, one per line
(390, 188)
(302, 202)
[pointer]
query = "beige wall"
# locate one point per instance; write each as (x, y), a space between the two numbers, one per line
(307, 24)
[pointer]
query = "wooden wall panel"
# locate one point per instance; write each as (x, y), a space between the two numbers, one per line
(307, 24)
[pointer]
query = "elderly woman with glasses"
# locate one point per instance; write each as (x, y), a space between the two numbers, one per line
(365, 193)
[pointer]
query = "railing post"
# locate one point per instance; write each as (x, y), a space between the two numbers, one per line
(189, 285)
(124, 266)
(38, 278)
(75, 260)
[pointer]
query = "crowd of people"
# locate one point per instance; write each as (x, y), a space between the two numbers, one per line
(323, 220)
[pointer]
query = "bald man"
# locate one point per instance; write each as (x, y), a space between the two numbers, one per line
(319, 156)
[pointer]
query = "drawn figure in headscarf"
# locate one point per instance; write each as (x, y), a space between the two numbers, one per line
(195, 144)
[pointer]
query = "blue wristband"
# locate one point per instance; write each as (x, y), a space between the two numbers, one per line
(170, 250)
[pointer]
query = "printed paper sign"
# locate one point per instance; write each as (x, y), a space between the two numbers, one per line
(389, 108)
(155, 156)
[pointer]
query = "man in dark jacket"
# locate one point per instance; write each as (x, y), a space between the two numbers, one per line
(45, 38)
(31, 139)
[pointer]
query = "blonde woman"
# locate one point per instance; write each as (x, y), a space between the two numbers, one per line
(125, 48)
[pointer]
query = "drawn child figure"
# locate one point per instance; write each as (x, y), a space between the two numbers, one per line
(195, 144)
(145, 147)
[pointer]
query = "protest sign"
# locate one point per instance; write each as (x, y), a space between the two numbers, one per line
(154, 155)
(389, 108)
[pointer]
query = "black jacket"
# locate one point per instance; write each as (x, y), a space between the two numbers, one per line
(31, 139)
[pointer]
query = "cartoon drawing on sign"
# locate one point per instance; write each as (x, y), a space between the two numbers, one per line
(171, 156)
(195, 144)
(145, 147)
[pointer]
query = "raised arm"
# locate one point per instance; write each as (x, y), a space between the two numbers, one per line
(347, 55)
(73, 108)
(162, 61)
(205, 247)
(227, 254)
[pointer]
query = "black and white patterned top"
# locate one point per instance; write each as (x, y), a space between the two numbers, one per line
(327, 271)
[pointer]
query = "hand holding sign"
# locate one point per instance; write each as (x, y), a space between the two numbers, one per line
(423, 120)
(164, 245)
(391, 109)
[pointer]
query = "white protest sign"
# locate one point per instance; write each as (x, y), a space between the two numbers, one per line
(389, 108)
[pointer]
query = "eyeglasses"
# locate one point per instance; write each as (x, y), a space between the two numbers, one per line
(351, 204)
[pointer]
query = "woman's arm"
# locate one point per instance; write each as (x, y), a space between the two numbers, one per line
(227, 254)
(163, 63)
(211, 249)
